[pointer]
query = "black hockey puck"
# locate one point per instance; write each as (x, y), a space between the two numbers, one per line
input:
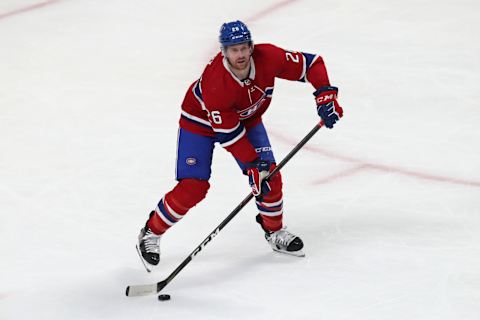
(164, 297)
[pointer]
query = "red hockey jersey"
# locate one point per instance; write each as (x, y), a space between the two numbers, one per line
(222, 106)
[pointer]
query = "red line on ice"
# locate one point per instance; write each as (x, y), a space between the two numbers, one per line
(363, 165)
(341, 174)
(269, 10)
(27, 9)
(265, 12)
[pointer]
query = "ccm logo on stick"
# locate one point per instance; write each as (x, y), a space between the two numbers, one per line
(205, 242)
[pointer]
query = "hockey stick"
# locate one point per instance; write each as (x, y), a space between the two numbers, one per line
(147, 289)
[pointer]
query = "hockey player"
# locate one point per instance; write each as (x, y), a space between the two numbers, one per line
(225, 105)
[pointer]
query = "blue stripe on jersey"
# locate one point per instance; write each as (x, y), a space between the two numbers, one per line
(308, 63)
(165, 213)
(226, 137)
(309, 58)
(269, 91)
(197, 92)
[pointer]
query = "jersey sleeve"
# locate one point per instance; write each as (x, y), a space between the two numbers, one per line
(298, 66)
(225, 122)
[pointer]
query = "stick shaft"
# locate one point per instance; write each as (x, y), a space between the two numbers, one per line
(240, 206)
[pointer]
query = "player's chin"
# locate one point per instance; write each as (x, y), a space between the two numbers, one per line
(241, 64)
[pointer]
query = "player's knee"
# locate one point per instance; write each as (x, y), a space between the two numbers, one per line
(189, 192)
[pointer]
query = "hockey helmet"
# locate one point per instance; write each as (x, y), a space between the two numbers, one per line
(234, 32)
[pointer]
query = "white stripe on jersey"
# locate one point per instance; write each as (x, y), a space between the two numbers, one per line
(199, 98)
(304, 71)
(194, 118)
(226, 130)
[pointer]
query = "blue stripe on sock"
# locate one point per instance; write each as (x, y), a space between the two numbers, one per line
(165, 212)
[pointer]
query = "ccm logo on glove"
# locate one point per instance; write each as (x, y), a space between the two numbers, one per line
(326, 98)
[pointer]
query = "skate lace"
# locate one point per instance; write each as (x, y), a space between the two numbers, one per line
(283, 237)
(151, 242)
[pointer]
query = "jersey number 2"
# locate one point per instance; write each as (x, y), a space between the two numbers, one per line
(290, 56)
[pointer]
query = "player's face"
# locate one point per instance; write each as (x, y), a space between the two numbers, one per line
(239, 55)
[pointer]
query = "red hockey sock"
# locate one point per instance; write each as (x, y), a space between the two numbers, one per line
(272, 223)
(176, 203)
(271, 207)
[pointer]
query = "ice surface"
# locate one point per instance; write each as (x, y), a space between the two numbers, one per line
(387, 203)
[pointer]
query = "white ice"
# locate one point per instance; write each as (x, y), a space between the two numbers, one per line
(387, 203)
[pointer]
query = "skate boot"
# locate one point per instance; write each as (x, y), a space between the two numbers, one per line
(148, 247)
(283, 241)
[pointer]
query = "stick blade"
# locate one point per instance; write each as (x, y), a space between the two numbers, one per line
(141, 290)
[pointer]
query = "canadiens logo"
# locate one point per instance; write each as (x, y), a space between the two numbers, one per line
(257, 97)
(191, 161)
(250, 111)
(246, 113)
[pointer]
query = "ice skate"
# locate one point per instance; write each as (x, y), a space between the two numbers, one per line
(148, 248)
(283, 241)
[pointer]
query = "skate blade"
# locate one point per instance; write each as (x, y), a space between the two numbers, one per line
(298, 253)
(145, 264)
